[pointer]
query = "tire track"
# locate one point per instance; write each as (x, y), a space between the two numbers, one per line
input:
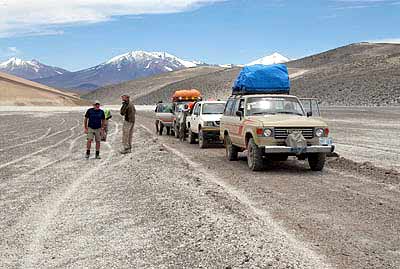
(28, 142)
(43, 149)
(51, 207)
(262, 215)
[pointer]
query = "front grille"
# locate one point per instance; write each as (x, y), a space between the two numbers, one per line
(283, 132)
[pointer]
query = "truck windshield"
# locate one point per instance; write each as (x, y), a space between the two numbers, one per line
(165, 108)
(180, 106)
(213, 108)
(272, 106)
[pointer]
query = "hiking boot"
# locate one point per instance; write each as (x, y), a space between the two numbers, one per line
(98, 157)
(87, 156)
(125, 151)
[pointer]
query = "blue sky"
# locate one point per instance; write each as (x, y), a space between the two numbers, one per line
(214, 31)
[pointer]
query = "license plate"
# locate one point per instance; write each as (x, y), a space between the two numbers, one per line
(298, 150)
(325, 141)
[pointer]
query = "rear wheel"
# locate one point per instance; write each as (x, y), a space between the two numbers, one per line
(176, 130)
(254, 156)
(161, 129)
(192, 138)
(231, 150)
(316, 161)
(202, 141)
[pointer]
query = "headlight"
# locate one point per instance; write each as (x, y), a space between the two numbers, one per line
(319, 132)
(208, 123)
(268, 132)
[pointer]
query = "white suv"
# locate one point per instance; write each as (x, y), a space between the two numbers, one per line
(204, 122)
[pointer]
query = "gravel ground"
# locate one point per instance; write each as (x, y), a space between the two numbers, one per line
(172, 205)
(149, 209)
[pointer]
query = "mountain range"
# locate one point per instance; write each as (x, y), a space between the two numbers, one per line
(125, 67)
(30, 69)
(128, 66)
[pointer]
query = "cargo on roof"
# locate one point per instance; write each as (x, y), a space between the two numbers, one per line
(262, 79)
(186, 95)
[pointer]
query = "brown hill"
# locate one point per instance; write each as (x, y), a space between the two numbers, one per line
(22, 92)
(357, 74)
(144, 86)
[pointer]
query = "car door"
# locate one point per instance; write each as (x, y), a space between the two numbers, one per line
(311, 105)
(195, 118)
(225, 124)
(237, 122)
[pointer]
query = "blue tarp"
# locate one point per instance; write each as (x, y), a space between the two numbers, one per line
(263, 79)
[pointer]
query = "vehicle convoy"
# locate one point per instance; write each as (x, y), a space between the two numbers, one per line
(262, 118)
(179, 100)
(164, 117)
(204, 122)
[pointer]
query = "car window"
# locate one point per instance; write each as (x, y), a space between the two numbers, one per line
(196, 109)
(315, 108)
(228, 107)
(213, 108)
(268, 105)
(232, 112)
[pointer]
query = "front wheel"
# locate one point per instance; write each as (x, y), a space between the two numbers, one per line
(202, 141)
(231, 151)
(254, 156)
(192, 138)
(316, 161)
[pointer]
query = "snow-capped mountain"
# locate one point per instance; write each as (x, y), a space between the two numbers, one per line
(274, 58)
(128, 66)
(30, 69)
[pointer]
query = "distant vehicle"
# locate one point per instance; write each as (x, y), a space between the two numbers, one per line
(204, 122)
(179, 99)
(273, 127)
(164, 117)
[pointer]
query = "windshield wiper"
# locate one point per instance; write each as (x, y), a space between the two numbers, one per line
(287, 112)
(262, 113)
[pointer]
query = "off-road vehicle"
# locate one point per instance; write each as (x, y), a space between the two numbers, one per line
(204, 122)
(273, 126)
(164, 117)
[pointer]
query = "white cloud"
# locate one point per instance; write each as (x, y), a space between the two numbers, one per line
(21, 17)
(387, 40)
(9, 52)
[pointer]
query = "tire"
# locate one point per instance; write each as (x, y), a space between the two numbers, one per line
(231, 151)
(161, 129)
(316, 161)
(176, 130)
(202, 141)
(192, 137)
(254, 156)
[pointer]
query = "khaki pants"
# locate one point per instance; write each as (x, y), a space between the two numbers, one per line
(127, 132)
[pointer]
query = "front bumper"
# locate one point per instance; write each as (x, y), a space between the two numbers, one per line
(308, 149)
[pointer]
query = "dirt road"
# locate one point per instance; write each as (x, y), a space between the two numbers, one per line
(172, 205)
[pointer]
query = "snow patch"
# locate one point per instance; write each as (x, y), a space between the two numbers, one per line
(274, 58)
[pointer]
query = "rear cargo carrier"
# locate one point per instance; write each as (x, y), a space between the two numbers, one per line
(262, 79)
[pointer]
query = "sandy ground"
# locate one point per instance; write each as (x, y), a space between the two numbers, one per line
(172, 205)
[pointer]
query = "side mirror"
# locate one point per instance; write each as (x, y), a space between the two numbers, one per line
(239, 113)
(309, 114)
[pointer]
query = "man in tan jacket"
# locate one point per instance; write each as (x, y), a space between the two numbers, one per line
(128, 111)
